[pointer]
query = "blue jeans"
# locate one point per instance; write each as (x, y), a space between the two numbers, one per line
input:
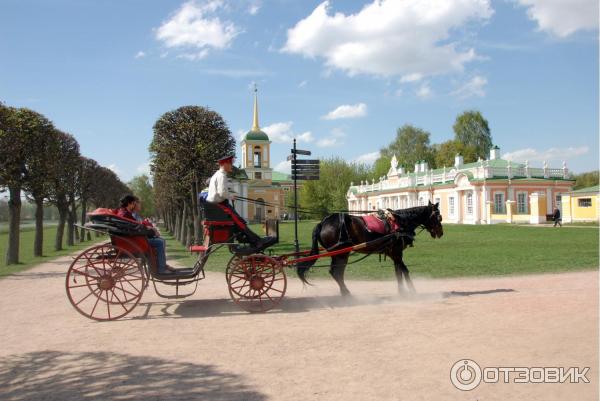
(159, 246)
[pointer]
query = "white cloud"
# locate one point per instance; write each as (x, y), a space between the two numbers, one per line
(367, 158)
(194, 26)
(411, 78)
(328, 142)
(254, 7)
(302, 84)
(410, 38)
(284, 167)
(424, 91)
(114, 169)
(282, 133)
(143, 168)
(347, 111)
(552, 154)
(473, 87)
(140, 54)
(562, 17)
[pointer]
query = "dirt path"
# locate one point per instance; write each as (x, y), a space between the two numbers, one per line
(316, 347)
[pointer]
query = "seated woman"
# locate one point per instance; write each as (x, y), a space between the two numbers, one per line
(130, 208)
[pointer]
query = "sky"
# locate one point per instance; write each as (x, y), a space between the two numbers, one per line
(340, 76)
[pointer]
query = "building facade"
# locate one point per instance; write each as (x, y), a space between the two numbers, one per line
(581, 205)
(485, 192)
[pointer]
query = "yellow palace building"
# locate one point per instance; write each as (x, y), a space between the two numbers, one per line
(581, 205)
(484, 192)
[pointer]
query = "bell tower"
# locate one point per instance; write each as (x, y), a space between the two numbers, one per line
(256, 147)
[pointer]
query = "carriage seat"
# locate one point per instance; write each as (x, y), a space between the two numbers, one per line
(109, 221)
(212, 212)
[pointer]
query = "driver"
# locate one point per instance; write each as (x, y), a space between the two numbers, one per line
(219, 192)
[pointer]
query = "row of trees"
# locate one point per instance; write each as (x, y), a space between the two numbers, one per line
(472, 139)
(44, 164)
(186, 145)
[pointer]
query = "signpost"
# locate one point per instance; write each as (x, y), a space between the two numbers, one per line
(304, 170)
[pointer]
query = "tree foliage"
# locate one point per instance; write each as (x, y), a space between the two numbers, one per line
(410, 146)
(445, 153)
(329, 192)
(142, 187)
(584, 180)
(471, 129)
(185, 148)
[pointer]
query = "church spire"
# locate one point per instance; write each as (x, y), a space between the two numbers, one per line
(255, 126)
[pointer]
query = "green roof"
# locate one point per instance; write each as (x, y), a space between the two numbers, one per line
(256, 136)
(587, 190)
(279, 176)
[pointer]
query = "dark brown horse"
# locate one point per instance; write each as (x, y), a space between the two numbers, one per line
(341, 230)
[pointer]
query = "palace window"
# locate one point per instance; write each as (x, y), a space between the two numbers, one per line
(499, 203)
(469, 198)
(584, 202)
(258, 176)
(451, 205)
(522, 202)
(558, 200)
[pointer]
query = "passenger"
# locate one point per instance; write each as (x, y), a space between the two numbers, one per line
(219, 192)
(130, 209)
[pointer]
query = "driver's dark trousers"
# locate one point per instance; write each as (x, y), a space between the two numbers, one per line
(239, 221)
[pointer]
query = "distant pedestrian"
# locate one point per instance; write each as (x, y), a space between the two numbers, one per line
(556, 217)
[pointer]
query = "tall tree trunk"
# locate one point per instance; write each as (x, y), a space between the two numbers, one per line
(83, 216)
(183, 234)
(177, 225)
(14, 219)
(38, 242)
(71, 220)
(63, 211)
(196, 215)
(190, 226)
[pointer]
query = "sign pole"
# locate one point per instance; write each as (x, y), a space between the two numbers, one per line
(296, 244)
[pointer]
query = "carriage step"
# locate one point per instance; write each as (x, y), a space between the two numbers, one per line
(198, 248)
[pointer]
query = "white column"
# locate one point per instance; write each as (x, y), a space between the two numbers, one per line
(476, 205)
(549, 201)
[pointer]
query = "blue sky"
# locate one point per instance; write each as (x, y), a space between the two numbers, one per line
(342, 76)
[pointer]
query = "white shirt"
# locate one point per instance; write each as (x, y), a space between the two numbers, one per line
(218, 188)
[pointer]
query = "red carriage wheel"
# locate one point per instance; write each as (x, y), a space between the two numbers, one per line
(105, 282)
(256, 283)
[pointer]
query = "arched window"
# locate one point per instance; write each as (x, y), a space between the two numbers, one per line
(257, 157)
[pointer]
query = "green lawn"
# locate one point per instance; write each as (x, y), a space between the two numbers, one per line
(26, 250)
(462, 251)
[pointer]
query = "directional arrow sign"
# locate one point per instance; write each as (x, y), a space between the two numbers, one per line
(315, 161)
(306, 167)
(305, 177)
(305, 172)
(301, 152)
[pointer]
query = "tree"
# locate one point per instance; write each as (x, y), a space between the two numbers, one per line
(13, 148)
(40, 155)
(471, 129)
(410, 147)
(142, 188)
(585, 180)
(64, 173)
(186, 145)
(446, 151)
(381, 166)
(329, 192)
(88, 174)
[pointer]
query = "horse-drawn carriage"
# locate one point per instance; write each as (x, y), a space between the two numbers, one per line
(107, 281)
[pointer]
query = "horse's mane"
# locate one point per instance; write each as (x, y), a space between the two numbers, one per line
(411, 212)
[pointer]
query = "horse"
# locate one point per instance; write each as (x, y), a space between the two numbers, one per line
(341, 230)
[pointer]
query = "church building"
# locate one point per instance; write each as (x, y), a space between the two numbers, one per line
(262, 184)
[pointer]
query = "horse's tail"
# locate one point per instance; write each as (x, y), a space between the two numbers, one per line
(303, 267)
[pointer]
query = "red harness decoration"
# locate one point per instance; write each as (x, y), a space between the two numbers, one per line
(376, 225)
